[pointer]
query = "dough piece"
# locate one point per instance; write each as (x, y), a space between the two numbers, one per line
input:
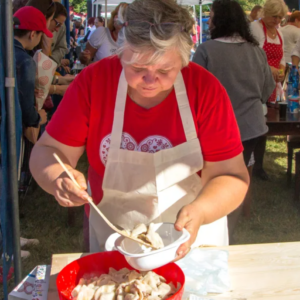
(76, 291)
(133, 275)
(82, 281)
(107, 296)
(132, 296)
(86, 293)
(118, 276)
(154, 298)
(164, 290)
(138, 229)
(105, 289)
(152, 279)
(143, 288)
(154, 238)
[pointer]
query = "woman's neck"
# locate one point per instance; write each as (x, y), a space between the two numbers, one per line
(115, 34)
(146, 102)
(270, 28)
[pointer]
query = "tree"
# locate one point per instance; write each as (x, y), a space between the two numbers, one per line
(79, 6)
(249, 4)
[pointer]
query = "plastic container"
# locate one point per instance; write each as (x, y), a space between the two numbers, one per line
(144, 259)
(99, 263)
(293, 104)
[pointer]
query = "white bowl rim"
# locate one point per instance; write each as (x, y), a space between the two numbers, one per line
(184, 237)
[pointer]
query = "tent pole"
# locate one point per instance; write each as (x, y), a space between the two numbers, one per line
(196, 27)
(105, 13)
(12, 151)
(200, 16)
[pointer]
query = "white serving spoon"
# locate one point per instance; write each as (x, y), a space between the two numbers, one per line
(116, 228)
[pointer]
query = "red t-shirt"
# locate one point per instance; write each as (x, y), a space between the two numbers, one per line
(85, 117)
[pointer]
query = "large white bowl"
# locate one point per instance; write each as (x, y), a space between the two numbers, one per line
(143, 259)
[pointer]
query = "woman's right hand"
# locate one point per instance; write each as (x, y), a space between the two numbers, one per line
(85, 57)
(67, 193)
(275, 73)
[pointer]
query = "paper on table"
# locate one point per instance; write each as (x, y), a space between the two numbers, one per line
(45, 70)
(195, 297)
(206, 271)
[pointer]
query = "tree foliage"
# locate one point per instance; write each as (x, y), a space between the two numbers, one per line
(247, 5)
(79, 6)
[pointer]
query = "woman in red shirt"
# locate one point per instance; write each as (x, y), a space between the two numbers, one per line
(160, 135)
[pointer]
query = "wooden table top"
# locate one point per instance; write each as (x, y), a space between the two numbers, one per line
(258, 271)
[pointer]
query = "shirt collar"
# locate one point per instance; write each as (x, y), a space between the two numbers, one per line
(19, 45)
(231, 39)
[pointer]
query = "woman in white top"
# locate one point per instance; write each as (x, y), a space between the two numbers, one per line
(270, 39)
(291, 34)
(103, 41)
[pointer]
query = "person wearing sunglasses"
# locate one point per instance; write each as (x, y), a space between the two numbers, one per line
(160, 134)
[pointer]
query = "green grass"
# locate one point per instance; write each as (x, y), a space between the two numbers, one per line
(274, 218)
(275, 215)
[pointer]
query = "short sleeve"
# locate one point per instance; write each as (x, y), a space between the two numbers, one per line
(296, 50)
(97, 37)
(70, 123)
(200, 57)
(218, 130)
(258, 33)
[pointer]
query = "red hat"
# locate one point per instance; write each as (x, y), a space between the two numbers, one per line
(30, 18)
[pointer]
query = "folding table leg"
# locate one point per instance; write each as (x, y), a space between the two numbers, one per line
(290, 161)
(297, 177)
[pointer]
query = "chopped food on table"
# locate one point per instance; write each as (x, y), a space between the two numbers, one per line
(124, 285)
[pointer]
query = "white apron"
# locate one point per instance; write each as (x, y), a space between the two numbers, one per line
(141, 187)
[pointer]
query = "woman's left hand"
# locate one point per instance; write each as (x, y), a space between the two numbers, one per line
(189, 217)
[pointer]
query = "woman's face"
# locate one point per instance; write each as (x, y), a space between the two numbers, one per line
(150, 80)
(118, 25)
(56, 23)
(272, 21)
(98, 23)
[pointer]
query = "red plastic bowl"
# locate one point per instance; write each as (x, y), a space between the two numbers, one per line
(99, 263)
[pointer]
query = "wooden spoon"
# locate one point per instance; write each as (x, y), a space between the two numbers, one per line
(116, 228)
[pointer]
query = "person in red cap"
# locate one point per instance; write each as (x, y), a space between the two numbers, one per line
(29, 25)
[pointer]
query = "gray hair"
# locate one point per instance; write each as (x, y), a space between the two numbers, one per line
(141, 37)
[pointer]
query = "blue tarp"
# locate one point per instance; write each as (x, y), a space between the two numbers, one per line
(5, 200)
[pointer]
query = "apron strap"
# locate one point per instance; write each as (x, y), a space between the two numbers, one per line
(184, 108)
(117, 129)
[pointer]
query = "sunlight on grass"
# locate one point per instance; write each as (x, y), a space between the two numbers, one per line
(275, 215)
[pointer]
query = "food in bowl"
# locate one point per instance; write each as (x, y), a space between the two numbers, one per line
(124, 284)
(148, 235)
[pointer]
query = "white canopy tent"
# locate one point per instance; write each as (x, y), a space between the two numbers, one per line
(109, 6)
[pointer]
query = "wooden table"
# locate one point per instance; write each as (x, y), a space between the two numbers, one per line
(289, 126)
(260, 272)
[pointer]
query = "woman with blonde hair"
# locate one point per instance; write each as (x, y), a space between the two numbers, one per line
(270, 39)
(103, 41)
(160, 134)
